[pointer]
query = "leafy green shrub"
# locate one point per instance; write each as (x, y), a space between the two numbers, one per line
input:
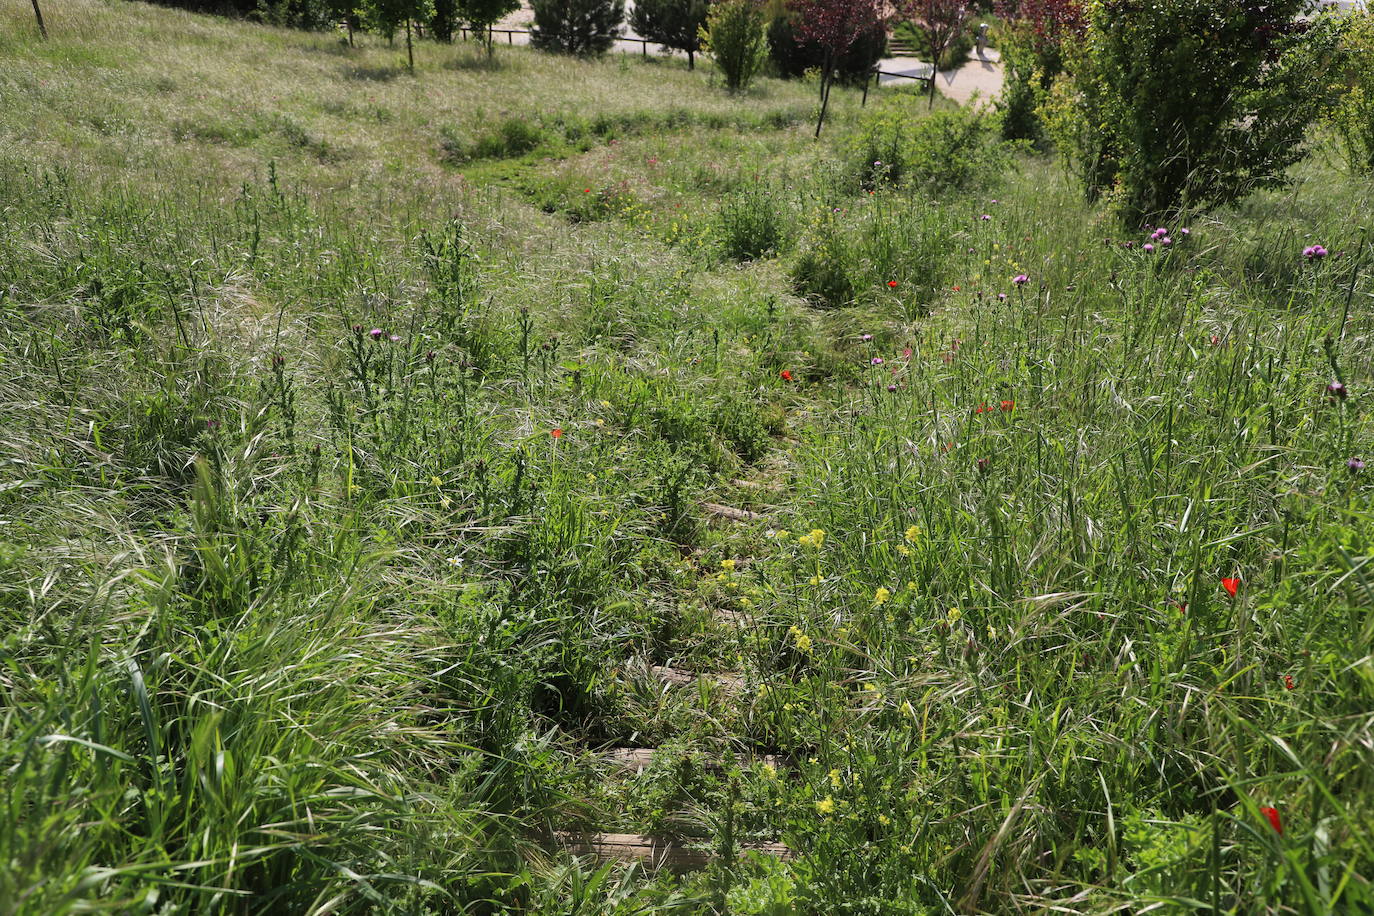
(1021, 92)
(1158, 114)
(871, 254)
(1353, 118)
(734, 37)
(943, 151)
(751, 224)
(582, 27)
(507, 139)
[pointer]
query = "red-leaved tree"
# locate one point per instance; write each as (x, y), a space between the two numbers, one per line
(939, 22)
(834, 25)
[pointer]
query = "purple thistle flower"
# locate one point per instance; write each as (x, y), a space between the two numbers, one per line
(1337, 390)
(1355, 465)
(865, 337)
(1159, 233)
(376, 333)
(395, 338)
(1185, 232)
(1147, 248)
(1001, 297)
(1314, 252)
(1020, 279)
(985, 217)
(891, 387)
(877, 360)
(1166, 241)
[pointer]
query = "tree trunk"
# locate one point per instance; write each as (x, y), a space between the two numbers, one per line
(410, 50)
(348, 21)
(825, 93)
(691, 56)
(38, 14)
(491, 41)
(934, 75)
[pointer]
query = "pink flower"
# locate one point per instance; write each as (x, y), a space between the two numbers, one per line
(1020, 279)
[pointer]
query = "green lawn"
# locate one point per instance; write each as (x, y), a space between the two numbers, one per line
(360, 440)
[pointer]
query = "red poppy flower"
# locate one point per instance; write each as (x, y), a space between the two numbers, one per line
(586, 190)
(785, 375)
(955, 288)
(1230, 585)
(1288, 682)
(892, 283)
(556, 432)
(1183, 607)
(1273, 815)
(1008, 406)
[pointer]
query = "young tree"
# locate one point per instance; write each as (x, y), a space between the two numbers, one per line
(581, 27)
(483, 14)
(1195, 103)
(939, 22)
(672, 23)
(734, 36)
(444, 20)
(388, 16)
(834, 25)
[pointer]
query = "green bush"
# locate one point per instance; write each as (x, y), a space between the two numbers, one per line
(507, 139)
(872, 253)
(751, 224)
(734, 36)
(1021, 92)
(1160, 116)
(582, 27)
(1353, 118)
(943, 151)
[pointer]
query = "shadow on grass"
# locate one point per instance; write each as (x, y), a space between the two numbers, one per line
(373, 74)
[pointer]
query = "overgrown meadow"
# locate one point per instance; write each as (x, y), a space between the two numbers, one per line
(383, 456)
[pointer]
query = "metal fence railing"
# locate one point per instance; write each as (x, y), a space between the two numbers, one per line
(510, 34)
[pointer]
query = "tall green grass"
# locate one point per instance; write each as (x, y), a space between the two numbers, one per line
(299, 617)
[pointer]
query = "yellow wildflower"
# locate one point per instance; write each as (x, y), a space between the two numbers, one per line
(913, 533)
(881, 596)
(727, 565)
(436, 481)
(884, 819)
(814, 580)
(800, 639)
(825, 805)
(904, 550)
(835, 779)
(954, 615)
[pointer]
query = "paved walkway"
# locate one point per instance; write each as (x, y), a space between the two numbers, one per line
(981, 75)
